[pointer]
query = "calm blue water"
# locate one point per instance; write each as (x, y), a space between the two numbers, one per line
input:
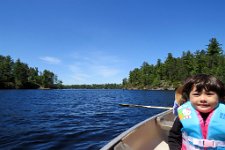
(71, 119)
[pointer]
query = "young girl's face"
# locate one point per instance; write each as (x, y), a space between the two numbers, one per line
(204, 101)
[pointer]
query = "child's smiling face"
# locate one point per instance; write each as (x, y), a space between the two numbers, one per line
(204, 101)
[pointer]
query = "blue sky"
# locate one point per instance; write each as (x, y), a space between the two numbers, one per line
(100, 41)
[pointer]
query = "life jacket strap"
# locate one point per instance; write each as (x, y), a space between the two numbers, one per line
(204, 142)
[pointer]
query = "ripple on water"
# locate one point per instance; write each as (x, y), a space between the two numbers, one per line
(71, 119)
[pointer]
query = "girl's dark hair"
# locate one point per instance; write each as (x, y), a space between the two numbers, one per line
(203, 81)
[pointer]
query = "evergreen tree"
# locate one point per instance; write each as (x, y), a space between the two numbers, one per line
(159, 69)
(146, 72)
(214, 51)
(125, 83)
(47, 79)
(135, 78)
(170, 70)
(21, 74)
(33, 78)
(214, 47)
(6, 75)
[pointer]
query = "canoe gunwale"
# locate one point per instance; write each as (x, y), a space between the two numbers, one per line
(126, 133)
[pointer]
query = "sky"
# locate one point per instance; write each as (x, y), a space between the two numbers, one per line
(101, 41)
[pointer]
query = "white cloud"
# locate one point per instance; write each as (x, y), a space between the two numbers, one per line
(51, 60)
(105, 71)
(80, 78)
(94, 67)
(78, 74)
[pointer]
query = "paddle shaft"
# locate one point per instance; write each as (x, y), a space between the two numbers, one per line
(144, 106)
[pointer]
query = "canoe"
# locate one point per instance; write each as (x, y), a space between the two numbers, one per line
(149, 134)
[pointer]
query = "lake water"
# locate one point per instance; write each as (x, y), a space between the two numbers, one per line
(72, 119)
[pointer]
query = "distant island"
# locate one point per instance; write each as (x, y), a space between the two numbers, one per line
(164, 75)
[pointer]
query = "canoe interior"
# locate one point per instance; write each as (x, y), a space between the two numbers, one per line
(152, 133)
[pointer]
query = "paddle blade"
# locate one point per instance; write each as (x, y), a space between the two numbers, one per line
(144, 106)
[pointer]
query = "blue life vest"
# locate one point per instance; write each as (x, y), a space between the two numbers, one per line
(198, 134)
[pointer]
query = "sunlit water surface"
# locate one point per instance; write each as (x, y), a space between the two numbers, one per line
(72, 119)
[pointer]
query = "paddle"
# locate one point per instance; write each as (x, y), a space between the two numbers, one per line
(133, 105)
(178, 98)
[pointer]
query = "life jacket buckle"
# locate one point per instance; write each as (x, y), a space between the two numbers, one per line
(208, 143)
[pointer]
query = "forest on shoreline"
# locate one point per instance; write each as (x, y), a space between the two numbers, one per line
(18, 75)
(164, 75)
(170, 73)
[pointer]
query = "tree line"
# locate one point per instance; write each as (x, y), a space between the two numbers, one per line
(18, 75)
(94, 86)
(170, 73)
(163, 75)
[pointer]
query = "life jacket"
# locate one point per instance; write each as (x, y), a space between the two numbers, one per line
(200, 135)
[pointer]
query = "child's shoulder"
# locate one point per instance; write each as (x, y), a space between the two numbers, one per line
(221, 105)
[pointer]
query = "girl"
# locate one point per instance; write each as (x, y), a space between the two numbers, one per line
(201, 120)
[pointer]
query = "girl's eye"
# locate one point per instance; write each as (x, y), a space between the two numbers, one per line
(210, 93)
(196, 94)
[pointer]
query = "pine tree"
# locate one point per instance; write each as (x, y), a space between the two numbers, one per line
(21, 74)
(214, 47)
